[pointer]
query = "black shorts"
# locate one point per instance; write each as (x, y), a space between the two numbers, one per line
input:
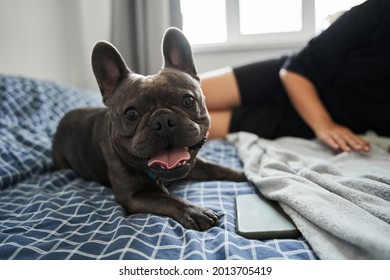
(266, 109)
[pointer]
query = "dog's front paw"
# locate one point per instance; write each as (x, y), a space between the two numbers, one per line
(238, 176)
(198, 218)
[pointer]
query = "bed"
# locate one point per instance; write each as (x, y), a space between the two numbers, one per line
(46, 214)
(340, 202)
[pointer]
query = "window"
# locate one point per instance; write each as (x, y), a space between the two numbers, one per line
(264, 16)
(204, 21)
(327, 11)
(239, 23)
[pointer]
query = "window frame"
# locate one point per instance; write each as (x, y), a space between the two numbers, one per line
(237, 41)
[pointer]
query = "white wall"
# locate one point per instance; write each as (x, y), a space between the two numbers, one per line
(52, 39)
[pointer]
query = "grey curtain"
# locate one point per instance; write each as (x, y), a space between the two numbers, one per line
(137, 30)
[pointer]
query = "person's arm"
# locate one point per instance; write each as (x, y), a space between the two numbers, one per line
(304, 98)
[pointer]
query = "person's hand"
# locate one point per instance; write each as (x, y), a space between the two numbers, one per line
(339, 137)
(303, 95)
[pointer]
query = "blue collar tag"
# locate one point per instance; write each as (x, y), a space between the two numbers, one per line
(159, 182)
(151, 175)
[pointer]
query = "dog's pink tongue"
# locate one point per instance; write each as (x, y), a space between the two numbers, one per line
(169, 159)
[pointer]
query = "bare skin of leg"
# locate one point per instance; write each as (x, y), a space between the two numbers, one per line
(222, 96)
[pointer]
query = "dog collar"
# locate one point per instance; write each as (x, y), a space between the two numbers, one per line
(152, 176)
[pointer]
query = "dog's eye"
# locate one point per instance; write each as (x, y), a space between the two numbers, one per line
(132, 114)
(188, 101)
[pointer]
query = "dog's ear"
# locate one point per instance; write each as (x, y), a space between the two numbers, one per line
(177, 52)
(109, 68)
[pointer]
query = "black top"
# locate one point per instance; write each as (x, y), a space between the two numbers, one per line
(349, 63)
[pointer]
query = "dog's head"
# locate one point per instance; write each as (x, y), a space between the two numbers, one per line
(158, 122)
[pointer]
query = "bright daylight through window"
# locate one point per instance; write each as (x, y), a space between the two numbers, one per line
(213, 21)
(265, 16)
(204, 21)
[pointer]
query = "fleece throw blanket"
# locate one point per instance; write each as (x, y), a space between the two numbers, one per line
(340, 202)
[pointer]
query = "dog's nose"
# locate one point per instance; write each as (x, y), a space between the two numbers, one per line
(164, 124)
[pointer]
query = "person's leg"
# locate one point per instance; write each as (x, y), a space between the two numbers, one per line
(259, 82)
(220, 89)
(222, 96)
(226, 90)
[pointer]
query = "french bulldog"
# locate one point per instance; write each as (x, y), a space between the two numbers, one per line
(146, 137)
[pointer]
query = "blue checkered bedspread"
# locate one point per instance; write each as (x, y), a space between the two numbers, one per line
(47, 214)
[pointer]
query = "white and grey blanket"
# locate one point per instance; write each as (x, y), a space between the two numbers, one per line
(339, 202)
